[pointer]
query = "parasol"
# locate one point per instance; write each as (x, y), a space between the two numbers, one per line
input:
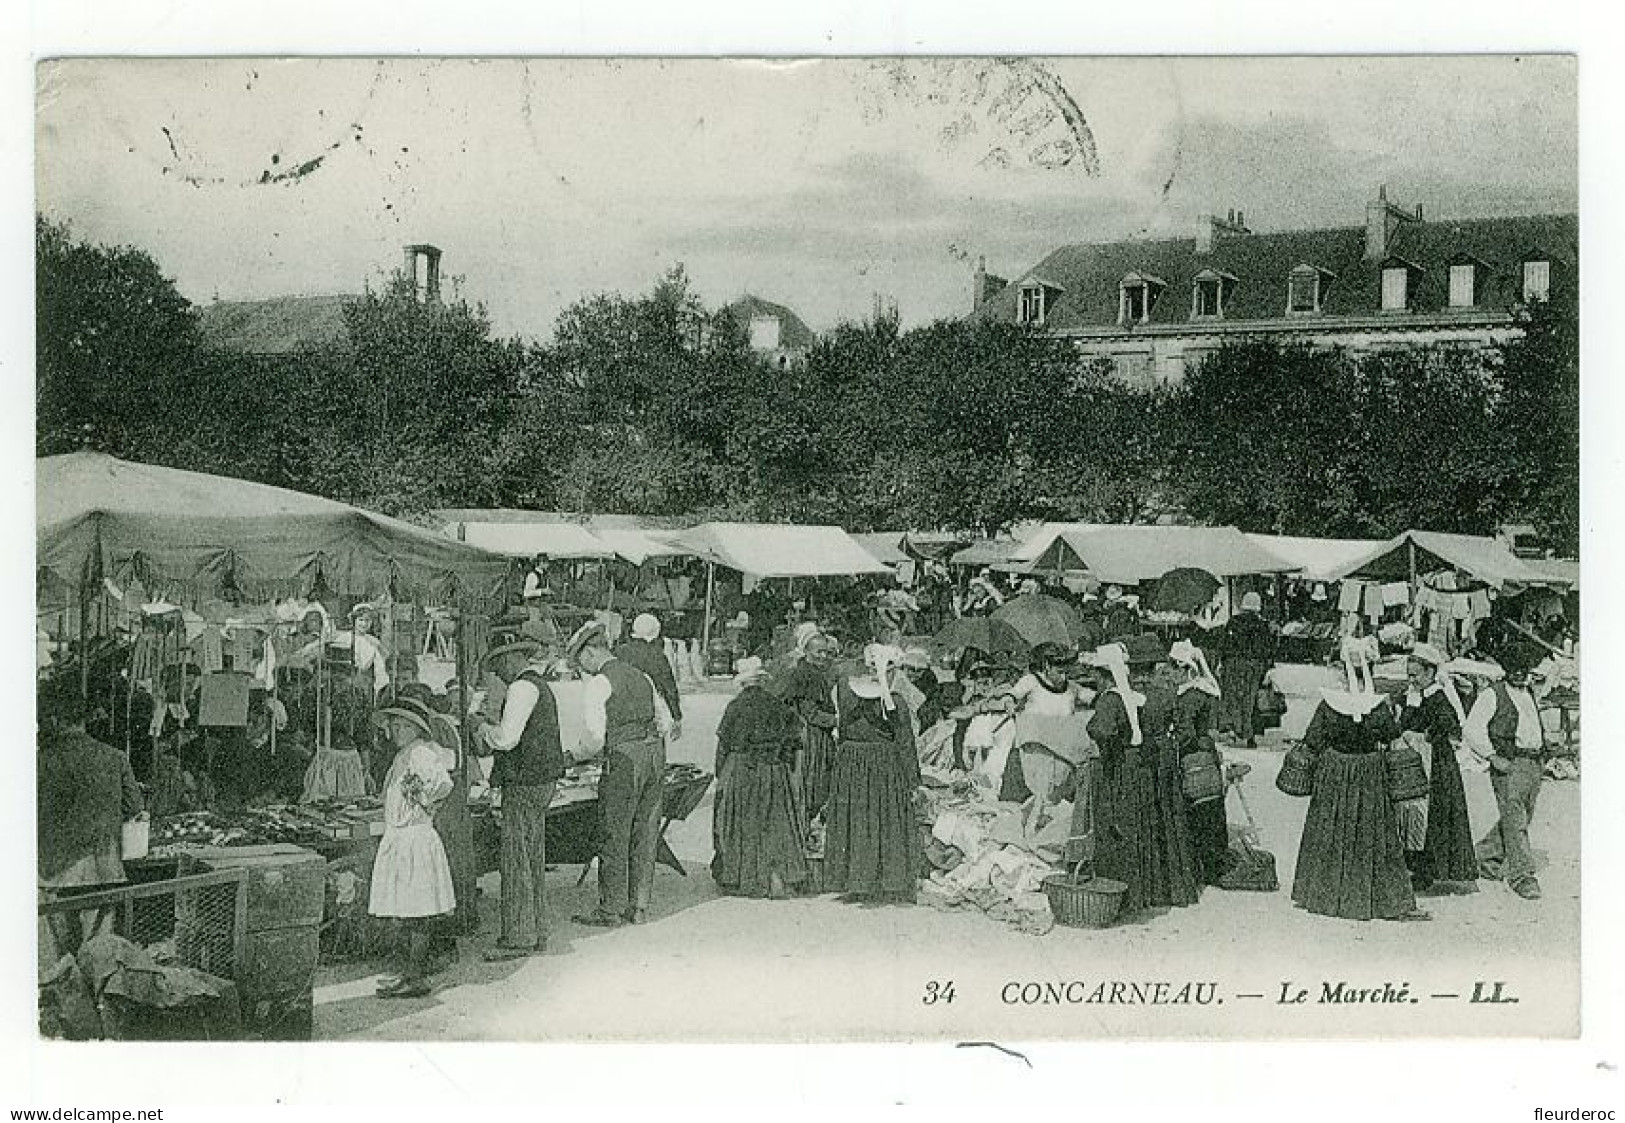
(985, 634)
(1187, 590)
(1041, 619)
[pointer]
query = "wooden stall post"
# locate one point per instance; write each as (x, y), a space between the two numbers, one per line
(705, 623)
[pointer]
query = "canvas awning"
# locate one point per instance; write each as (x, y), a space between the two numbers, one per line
(637, 546)
(1127, 555)
(526, 540)
(1317, 558)
(1033, 545)
(98, 516)
(779, 549)
(1487, 559)
(885, 545)
(994, 552)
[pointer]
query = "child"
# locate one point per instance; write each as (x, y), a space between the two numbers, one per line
(411, 878)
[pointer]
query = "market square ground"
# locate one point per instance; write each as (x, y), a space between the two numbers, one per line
(708, 967)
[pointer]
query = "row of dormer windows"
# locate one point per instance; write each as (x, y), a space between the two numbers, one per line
(1306, 291)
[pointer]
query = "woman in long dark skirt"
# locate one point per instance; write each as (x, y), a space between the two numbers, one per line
(1141, 837)
(1434, 710)
(1351, 862)
(872, 846)
(808, 690)
(1196, 715)
(757, 830)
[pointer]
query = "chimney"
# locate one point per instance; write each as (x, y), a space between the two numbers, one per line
(425, 287)
(1210, 228)
(985, 285)
(1382, 218)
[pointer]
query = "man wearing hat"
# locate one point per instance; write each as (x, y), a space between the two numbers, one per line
(529, 763)
(644, 652)
(1504, 728)
(626, 720)
(1247, 650)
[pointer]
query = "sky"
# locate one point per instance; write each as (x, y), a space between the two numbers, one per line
(819, 184)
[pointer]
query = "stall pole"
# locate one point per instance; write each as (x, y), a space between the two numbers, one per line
(705, 625)
(84, 645)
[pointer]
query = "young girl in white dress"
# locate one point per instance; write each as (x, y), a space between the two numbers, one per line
(411, 878)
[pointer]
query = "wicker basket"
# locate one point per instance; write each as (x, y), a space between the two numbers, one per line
(1082, 900)
(1297, 774)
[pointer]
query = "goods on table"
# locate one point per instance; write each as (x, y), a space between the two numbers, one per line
(311, 824)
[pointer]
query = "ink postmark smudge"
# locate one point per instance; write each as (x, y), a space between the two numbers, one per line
(1004, 113)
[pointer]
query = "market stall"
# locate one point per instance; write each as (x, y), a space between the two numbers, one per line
(768, 552)
(226, 633)
(1307, 612)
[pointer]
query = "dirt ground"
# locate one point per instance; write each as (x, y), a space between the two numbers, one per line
(710, 968)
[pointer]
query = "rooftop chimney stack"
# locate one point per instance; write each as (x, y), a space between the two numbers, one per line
(422, 266)
(985, 286)
(1382, 218)
(1210, 228)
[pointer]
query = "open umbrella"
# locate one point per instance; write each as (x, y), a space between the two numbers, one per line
(985, 634)
(1040, 619)
(1186, 590)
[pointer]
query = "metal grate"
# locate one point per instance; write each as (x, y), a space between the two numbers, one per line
(192, 921)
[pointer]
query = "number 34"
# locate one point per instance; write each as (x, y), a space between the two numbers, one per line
(936, 992)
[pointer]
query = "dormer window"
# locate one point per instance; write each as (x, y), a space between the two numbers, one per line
(1468, 275)
(1398, 288)
(1463, 286)
(1306, 288)
(1136, 297)
(1537, 281)
(1209, 291)
(1032, 304)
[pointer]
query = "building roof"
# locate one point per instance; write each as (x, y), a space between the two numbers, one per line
(279, 326)
(794, 334)
(1084, 278)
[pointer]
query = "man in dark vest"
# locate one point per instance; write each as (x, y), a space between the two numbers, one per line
(529, 763)
(1504, 727)
(625, 718)
(645, 653)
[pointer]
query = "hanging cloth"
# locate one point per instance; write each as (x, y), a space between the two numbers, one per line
(1348, 596)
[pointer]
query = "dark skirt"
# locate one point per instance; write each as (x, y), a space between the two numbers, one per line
(756, 829)
(455, 827)
(1448, 853)
(816, 763)
(1240, 680)
(871, 846)
(1351, 862)
(1210, 838)
(1141, 836)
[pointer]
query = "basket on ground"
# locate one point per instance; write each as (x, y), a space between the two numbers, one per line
(1082, 900)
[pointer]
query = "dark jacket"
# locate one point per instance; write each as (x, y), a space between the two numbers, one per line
(650, 658)
(86, 792)
(757, 724)
(1250, 637)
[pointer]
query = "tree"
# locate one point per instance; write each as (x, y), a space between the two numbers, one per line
(1430, 452)
(1539, 417)
(1268, 437)
(114, 338)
